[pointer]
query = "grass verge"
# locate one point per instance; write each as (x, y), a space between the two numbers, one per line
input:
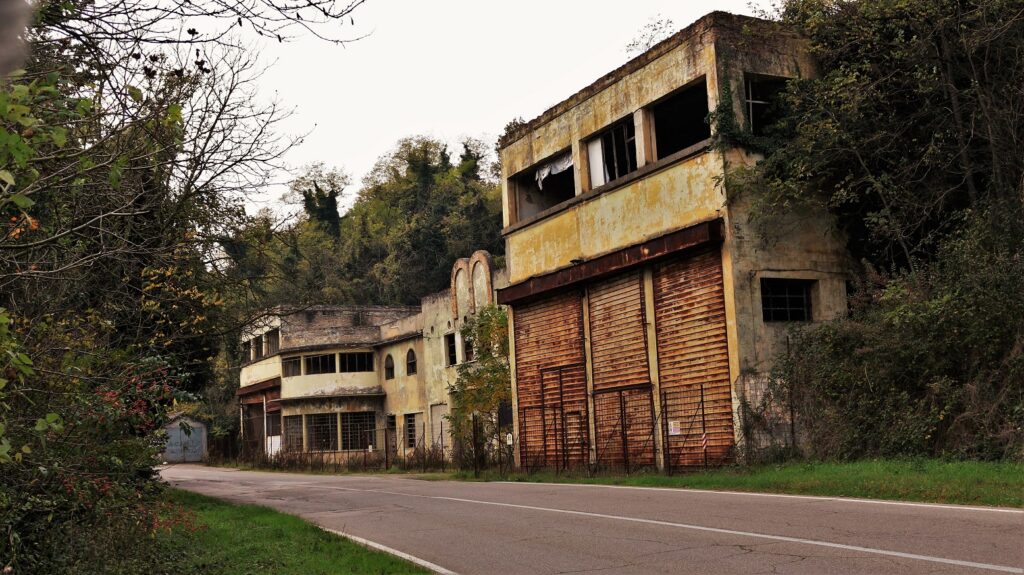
(244, 539)
(932, 481)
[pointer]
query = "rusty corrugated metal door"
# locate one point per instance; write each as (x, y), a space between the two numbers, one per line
(618, 336)
(551, 381)
(623, 418)
(693, 359)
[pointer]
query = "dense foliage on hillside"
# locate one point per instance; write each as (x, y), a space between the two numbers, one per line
(416, 213)
(913, 136)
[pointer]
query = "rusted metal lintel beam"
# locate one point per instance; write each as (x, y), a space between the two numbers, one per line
(704, 233)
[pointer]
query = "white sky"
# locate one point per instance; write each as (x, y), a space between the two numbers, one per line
(449, 69)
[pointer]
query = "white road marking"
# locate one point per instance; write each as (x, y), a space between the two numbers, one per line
(871, 550)
(780, 495)
(433, 567)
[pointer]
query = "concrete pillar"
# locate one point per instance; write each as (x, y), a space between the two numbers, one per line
(652, 365)
(515, 394)
(305, 434)
(644, 137)
(588, 361)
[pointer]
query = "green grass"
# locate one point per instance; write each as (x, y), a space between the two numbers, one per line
(249, 539)
(935, 481)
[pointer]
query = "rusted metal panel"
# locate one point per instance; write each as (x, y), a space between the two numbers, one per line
(690, 237)
(551, 381)
(618, 338)
(693, 360)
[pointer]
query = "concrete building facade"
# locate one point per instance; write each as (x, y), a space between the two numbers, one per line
(346, 380)
(645, 306)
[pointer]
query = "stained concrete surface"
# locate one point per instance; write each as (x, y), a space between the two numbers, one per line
(536, 528)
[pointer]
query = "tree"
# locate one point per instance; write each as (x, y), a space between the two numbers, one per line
(127, 146)
(912, 137)
(319, 189)
(655, 30)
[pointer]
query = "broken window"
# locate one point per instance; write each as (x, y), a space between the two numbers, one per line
(410, 430)
(544, 186)
(410, 363)
(356, 361)
(786, 299)
(449, 347)
(273, 338)
(357, 430)
(467, 350)
(389, 367)
(320, 364)
(613, 153)
(681, 120)
(291, 366)
(762, 102)
(322, 431)
(246, 350)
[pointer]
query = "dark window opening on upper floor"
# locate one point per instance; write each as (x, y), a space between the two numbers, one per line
(257, 347)
(543, 186)
(291, 366)
(246, 350)
(320, 364)
(784, 299)
(467, 350)
(273, 338)
(449, 347)
(389, 367)
(357, 361)
(410, 363)
(681, 120)
(612, 154)
(763, 110)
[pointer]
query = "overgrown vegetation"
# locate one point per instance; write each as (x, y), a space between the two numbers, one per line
(483, 386)
(221, 538)
(913, 137)
(127, 144)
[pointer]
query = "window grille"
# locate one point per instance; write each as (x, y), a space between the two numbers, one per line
(357, 430)
(322, 431)
(786, 299)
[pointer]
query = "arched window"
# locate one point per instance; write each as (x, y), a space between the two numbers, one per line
(410, 362)
(389, 367)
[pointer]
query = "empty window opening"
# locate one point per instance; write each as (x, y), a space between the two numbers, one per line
(273, 338)
(357, 430)
(291, 366)
(410, 430)
(355, 362)
(544, 186)
(392, 423)
(763, 108)
(322, 431)
(257, 347)
(613, 153)
(389, 367)
(274, 424)
(467, 350)
(681, 120)
(410, 363)
(786, 299)
(246, 351)
(320, 364)
(449, 347)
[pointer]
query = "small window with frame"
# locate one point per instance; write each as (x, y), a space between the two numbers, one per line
(612, 155)
(316, 364)
(785, 299)
(291, 366)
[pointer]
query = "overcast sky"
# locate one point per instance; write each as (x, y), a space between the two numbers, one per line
(450, 69)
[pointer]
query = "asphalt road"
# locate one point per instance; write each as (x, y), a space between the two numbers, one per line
(542, 528)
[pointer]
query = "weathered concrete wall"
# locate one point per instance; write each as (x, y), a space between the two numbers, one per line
(326, 325)
(262, 370)
(405, 393)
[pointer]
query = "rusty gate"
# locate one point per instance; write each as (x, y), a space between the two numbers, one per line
(624, 428)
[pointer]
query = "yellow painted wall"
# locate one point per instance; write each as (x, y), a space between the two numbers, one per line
(267, 368)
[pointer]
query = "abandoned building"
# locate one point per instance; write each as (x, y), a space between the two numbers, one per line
(342, 380)
(645, 306)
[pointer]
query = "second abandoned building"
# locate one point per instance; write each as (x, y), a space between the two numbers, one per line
(645, 309)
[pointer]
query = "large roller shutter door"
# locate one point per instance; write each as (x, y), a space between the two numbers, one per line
(623, 408)
(551, 382)
(693, 360)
